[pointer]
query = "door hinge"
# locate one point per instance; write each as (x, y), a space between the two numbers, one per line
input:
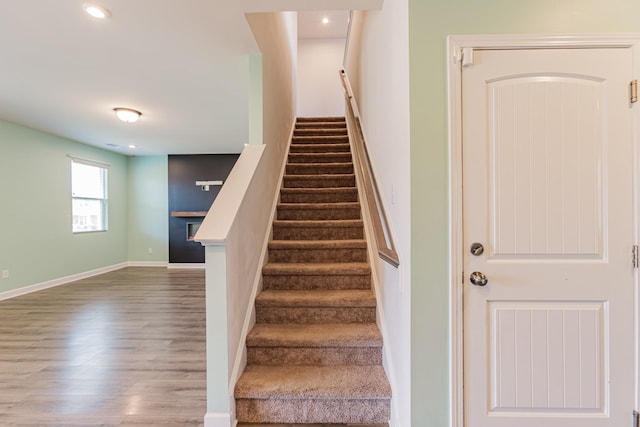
(465, 57)
(636, 419)
(634, 91)
(634, 256)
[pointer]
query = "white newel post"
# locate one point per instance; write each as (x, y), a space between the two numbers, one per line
(218, 395)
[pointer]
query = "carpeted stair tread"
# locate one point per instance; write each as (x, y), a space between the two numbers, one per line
(318, 211)
(316, 125)
(319, 223)
(323, 157)
(319, 181)
(308, 411)
(320, 139)
(318, 244)
(313, 382)
(320, 205)
(311, 335)
(316, 298)
(325, 177)
(320, 148)
(317, 269)
(319, 168)
(319, 131)
(316, 282)
(309, 425)
(318, 230)
(320, 119)
(318, 195)
(328, 251)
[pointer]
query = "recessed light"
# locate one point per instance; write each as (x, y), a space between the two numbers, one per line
(127, 115)
(96, 11)
(325, 20)
(132, 146)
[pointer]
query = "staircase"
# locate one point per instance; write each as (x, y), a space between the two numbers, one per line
(315, 353)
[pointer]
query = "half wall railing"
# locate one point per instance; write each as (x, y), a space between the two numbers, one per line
(380, 224)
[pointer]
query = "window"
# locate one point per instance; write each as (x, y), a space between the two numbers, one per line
(89, 195)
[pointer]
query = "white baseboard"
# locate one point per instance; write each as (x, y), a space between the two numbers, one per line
(218, 420)
(60, 281)
(194, 265)
(147, 264)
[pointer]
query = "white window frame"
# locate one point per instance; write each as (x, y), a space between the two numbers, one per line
(103, 218)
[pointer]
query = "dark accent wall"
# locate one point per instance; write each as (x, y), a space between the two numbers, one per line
(186, 196)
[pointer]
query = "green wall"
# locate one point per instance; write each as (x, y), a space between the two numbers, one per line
(36, 242)
(430, 21)
(148, 209)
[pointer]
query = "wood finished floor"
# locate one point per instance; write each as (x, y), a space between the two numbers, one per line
(126, 348)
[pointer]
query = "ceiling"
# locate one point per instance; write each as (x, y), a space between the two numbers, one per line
(183, 64)
(310, 25)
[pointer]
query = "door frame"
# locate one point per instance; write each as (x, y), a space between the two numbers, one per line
(455, 44)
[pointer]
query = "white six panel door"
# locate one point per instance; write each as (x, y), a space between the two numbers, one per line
(548, 191)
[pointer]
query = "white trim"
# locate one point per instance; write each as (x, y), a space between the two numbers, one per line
(59, 281)
(537, 41)
(186, 265)
(454, 95)
(455, 44)
(147, 264)
(217, 420)
(89, 162)
(224, 210)
(636, 231)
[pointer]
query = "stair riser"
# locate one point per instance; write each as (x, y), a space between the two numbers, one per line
(287, 282)
(317, 233)
(315, 315)
(319, 148)
(319, 182)
(319, 169)
(296, 213)
(337, 411)
(320, 119)
(319, 197)
(295, 158)
(305, 356)
(319, 132)
(321, 125)
(318, 255)
(319, 139)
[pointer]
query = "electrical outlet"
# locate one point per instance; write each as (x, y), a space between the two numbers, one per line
(150, 250)
(5, 274)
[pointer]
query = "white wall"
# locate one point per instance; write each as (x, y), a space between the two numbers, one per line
(378, 56)
(319, 90)
(237, 226)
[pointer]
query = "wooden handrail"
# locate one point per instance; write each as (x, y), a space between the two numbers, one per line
(382, 233)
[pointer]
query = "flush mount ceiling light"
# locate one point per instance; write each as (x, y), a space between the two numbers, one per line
(96, 11)
(127, 115)
(325, 21)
